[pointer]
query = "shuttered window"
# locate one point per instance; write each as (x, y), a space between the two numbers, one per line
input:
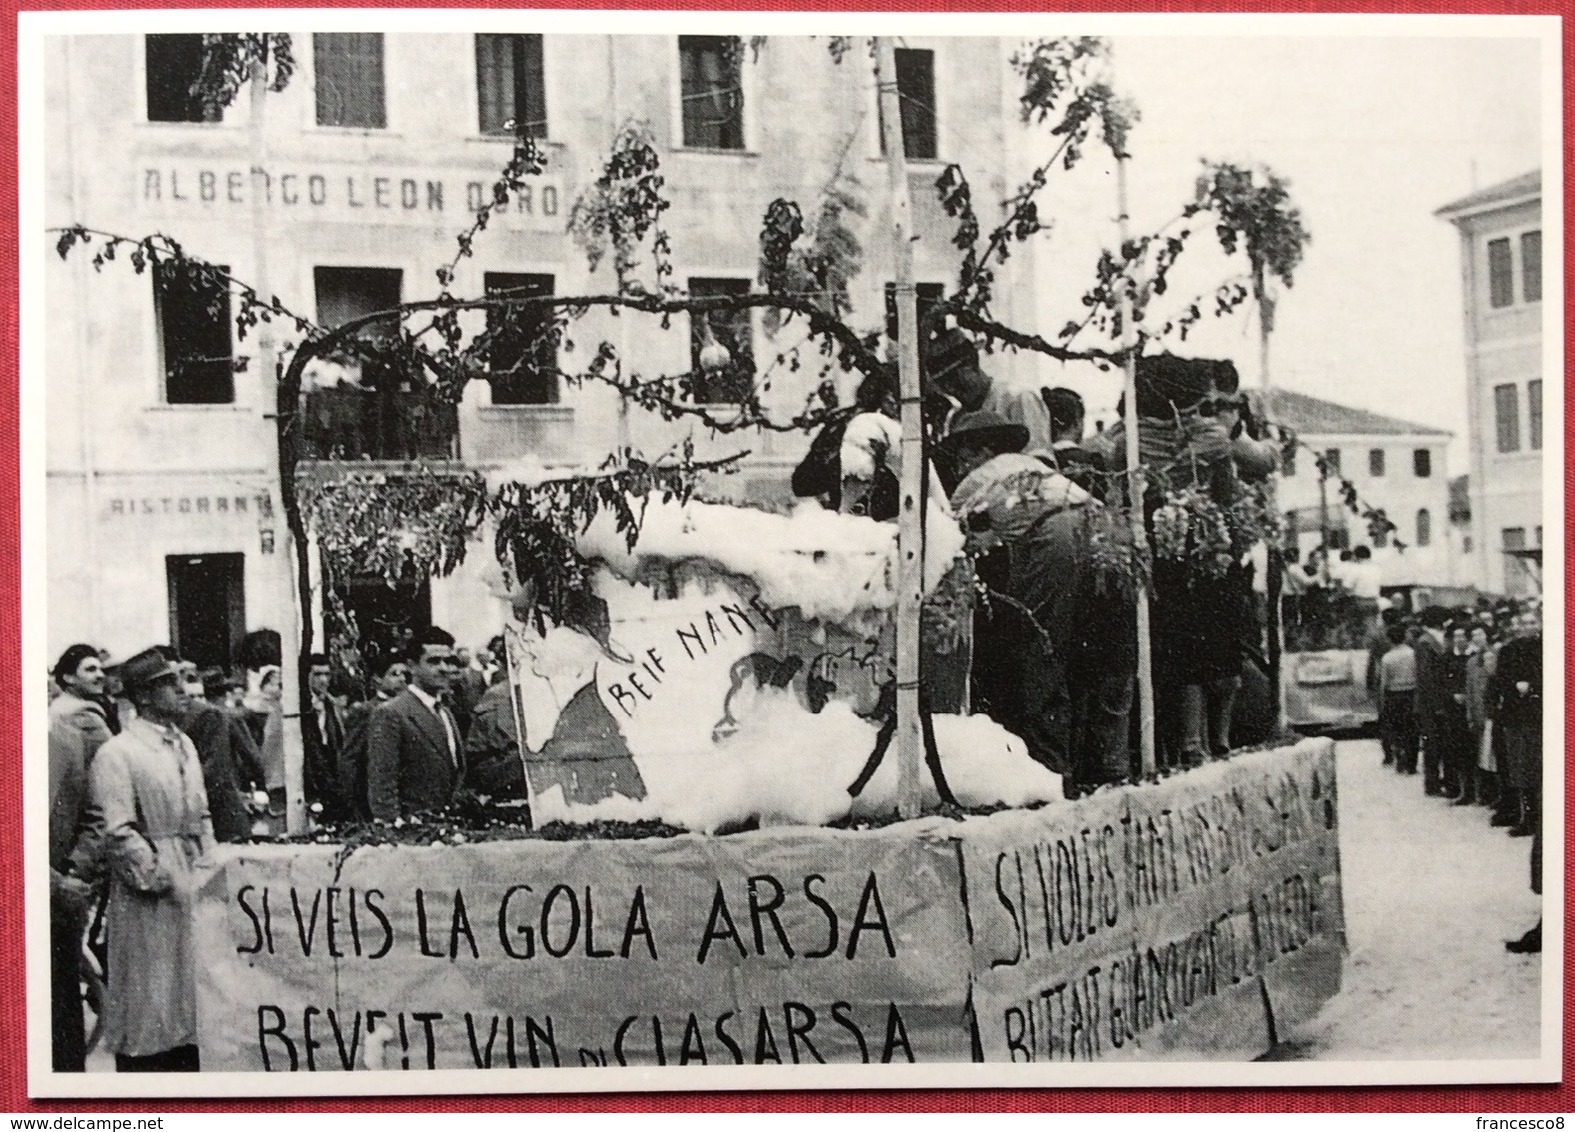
(916, 97)
(1534, 414)
(711, 77)
(1531, 267)
(733, 329)
(1506, 414)
(510, 85)
(1501, 273)
(173, 64)
(927, 296)
(193, 310)
(350, 88)
(520, 358)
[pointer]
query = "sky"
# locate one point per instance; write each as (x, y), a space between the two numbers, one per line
(1374, 135)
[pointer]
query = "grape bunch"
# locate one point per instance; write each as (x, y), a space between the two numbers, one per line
(1190, 529)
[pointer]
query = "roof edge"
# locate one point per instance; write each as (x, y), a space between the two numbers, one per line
(1452, 213)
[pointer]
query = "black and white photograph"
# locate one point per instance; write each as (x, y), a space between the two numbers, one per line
(572, 551)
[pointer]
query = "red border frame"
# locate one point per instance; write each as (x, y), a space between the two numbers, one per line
(13, 1004)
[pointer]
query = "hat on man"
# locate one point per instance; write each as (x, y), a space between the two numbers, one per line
(147, 667)
(991, 430)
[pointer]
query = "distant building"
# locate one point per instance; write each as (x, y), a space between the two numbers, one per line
(1395, 465)
(1501, 274)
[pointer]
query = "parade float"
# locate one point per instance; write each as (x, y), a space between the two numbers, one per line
(708, 891)
(740, 847)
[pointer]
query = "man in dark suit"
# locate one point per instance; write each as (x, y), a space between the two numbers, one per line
(465, 690)
(393, 677)
(231, 764)
(1432, 697)
(323, 736)
(415, 757)
(1515, 703)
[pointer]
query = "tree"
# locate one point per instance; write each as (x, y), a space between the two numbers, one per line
(425, 518)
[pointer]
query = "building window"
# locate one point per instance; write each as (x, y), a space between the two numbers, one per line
(916, 101)
(349, 68)
(520, 355)
(711, 75)
(1501, 273)
(1506, 413)
(1375, 462)
(1288, 461)
(193, 310)
(927, 298)
(1339, 538)
(1514, 538)
(380, 405)
(510, 87)
(735, 381)
(1539, 536)
(174, 63)
(1422, 463)
(1465, 544)
(1534, 414)
(1531, 267)
(1331, 461)
(1424, 527)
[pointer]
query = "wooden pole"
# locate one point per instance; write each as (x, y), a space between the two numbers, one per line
(1145, 654)
(910, 516)
(1274, 562)
(294, 696)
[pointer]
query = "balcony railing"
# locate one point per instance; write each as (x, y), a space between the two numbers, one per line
(352, 422)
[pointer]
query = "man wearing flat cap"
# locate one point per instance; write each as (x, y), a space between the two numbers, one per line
(147, 783)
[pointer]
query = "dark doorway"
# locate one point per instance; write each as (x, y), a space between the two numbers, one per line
(207, 606)
(374, 618)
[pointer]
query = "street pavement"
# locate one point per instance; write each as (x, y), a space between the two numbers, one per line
(1431, 894)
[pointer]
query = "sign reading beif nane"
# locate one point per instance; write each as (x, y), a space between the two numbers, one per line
(342, 194)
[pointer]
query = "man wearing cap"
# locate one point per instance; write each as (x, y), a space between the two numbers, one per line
(147, 783)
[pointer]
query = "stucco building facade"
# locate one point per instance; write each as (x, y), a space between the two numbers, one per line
(1501, 284)
(343, 194)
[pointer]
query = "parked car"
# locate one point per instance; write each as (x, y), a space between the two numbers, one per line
(1323, 669)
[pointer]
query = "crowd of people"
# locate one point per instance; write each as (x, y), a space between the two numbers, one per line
(1052, 654)
(152, 762)
(1460, 692)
